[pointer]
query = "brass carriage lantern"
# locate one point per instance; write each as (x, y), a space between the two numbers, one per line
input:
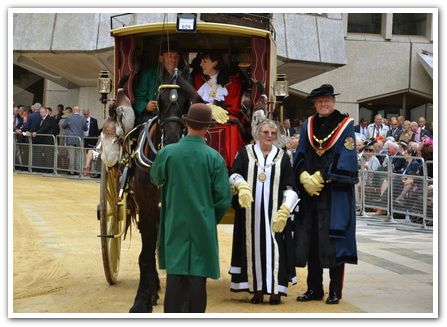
(104, 88)
(281, 92)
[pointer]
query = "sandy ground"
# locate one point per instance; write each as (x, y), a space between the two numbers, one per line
(57, 263)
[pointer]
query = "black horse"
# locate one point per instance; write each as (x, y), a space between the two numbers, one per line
(174, 100)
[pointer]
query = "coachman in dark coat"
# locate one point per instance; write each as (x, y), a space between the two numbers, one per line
(325, 164)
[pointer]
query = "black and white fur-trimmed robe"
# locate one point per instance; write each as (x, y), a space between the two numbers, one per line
(261, 259)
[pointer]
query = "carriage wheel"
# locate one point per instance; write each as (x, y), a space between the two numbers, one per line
(112, 223)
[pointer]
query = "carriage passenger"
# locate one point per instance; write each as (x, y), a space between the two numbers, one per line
(217, 87)
(150, 79)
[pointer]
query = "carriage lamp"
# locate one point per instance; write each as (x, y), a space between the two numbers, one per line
(186, 22)
(104, 88)
(281, 91)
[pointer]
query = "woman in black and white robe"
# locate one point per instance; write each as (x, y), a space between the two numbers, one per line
(262, 260)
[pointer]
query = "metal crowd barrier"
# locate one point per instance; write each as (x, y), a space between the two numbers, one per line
(378, 191)
(57, 158)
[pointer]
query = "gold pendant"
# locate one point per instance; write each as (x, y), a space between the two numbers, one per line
(320, 152)
(262, 177)
(213, 94)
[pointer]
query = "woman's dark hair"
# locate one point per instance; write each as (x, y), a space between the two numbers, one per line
(427, 153)
(222, 76)
(412, 152)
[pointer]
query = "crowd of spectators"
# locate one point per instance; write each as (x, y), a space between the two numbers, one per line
(38, 125)
(401, 144)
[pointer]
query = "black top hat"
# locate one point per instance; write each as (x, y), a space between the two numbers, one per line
(171, 46)
(199, 113)
(323, 91)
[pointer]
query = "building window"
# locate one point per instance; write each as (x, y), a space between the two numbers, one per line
(409, 24)
(364, 23)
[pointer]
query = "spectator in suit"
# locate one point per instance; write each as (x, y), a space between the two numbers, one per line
(397, 160)
(18, 121)
(63, 152)
(361, 127)
(297, 125)
(400, 122)
(75, 125)
(33, 122)
(60, 112)
(44, 155)
(418, 132)
(92, 131)
(430, 128)
(394, 130)
(421, 122)
(378, 148)
(290, 131)
(377, 129)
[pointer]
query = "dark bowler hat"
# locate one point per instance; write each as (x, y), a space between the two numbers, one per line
(324, 90)
(171, 46)
(199, 113)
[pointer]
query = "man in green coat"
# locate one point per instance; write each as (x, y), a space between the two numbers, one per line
(150, 79)
(195, 195)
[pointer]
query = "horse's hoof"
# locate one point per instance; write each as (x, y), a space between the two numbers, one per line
(140, 308)
(154, 299)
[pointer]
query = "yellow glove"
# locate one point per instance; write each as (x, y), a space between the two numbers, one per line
(219, 114)
(317, 176)
(310, 183)
(245, 196)
(280, 219)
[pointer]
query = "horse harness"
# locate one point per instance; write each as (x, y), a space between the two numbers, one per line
(145, 141)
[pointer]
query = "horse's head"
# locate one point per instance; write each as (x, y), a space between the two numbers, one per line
(174, 99)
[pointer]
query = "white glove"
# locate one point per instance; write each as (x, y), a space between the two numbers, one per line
(218, 114)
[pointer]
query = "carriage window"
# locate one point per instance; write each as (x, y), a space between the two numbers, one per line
(409, 24)
(364, 23)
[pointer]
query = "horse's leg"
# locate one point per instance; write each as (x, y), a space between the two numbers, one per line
(147, 198)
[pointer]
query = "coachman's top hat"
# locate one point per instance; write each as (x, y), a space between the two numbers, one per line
(324, 90)
(171, 46)
(199, 113)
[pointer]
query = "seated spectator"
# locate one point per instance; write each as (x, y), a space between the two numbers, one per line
(396, 158)
(91, 158)
(378, 148)
(412, 167)
(359, 144)
(406, 134)
(370, 163)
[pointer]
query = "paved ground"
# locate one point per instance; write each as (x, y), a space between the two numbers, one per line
(395, 274)
(57, 265)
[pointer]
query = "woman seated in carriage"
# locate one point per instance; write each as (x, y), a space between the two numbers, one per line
(222, 91)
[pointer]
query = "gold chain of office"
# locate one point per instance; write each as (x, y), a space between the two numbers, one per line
(262, 176)
(321, 142)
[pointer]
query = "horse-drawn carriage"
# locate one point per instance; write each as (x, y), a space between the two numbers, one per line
(126, 189)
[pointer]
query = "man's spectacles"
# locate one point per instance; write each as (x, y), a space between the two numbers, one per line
(369, 150)
(268, 133)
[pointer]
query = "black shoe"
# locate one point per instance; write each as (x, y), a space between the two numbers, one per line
(275, 301)
(256, 300)
(333, 298)
(309, 296)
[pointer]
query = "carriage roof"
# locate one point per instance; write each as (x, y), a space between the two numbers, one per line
(202, 27)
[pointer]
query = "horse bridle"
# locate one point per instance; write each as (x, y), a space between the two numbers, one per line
(173, 97)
